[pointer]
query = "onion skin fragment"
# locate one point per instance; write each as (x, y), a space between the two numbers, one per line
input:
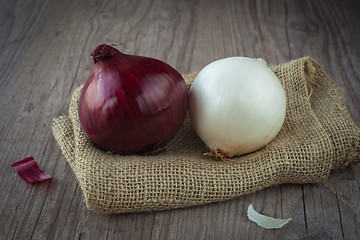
(29, 170)
(265, 221)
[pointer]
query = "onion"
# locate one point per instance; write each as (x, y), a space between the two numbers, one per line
(131, 104)
(237, 105)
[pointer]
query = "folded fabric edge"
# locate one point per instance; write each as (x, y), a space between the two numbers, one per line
(64, 135)
(337, 96)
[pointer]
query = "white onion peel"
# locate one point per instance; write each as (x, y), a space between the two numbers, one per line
(265, 221)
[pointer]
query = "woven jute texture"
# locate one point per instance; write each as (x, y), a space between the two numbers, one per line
(318, 136)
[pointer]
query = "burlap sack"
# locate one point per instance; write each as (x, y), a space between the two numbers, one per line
(318, 135)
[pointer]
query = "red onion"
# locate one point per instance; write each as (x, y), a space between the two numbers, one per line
(131, 104)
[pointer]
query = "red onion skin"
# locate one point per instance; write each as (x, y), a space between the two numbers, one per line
(131, 104)
(29, 171)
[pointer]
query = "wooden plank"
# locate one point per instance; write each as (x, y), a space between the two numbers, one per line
(45, 56)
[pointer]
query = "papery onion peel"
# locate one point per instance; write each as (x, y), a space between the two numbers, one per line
(265, 221)
(29, 170)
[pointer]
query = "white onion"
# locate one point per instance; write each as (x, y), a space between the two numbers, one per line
(237, 105)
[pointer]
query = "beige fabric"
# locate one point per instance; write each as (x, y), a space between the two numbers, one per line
(318, 135)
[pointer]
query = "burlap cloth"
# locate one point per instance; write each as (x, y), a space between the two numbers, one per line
(318, 135)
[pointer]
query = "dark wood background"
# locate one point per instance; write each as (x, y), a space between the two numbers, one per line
(45, 55)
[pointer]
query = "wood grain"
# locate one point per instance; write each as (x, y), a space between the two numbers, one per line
(45, 47)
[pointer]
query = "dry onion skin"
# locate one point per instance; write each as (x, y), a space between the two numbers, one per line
(29, 171)
(237, 105)
(265, 221)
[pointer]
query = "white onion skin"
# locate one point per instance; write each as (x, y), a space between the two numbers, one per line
(236, 105)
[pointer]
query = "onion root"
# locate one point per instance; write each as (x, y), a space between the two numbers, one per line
(219, 154)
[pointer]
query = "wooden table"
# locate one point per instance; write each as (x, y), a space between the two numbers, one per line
(45, 55)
